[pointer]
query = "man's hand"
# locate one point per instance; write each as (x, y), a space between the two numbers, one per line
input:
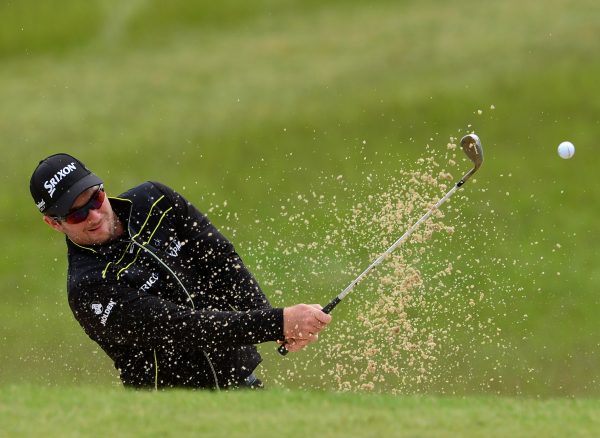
(302, 324)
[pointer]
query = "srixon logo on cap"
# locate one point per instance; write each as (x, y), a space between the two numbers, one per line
(51, 184)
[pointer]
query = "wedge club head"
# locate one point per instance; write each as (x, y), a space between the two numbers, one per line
(471, 146)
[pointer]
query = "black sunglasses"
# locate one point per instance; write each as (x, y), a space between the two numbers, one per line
(80, 214)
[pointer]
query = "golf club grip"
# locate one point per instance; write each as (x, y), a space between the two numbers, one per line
(327, 309)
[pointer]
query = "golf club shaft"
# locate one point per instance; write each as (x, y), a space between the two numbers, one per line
(331, 305)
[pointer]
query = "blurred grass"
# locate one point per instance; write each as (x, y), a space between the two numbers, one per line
(252, 103)
(31, 27)
(84, 411)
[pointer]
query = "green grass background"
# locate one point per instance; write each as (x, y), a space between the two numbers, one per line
(253, 102)
(85, 411)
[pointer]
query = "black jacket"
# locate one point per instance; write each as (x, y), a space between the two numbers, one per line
(170, 301)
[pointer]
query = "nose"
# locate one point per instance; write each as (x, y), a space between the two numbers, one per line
(93, 216)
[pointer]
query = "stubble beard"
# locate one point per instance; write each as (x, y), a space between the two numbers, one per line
(117, 229)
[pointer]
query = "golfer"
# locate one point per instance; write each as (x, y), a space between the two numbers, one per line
(156, 285)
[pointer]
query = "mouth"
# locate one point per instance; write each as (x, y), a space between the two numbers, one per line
(94, 228)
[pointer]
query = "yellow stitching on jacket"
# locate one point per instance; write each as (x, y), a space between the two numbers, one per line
(149, 238)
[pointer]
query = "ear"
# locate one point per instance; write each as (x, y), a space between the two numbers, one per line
(52, 223)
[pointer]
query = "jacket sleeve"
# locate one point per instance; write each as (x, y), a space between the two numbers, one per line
(123, 315)
(216, 256)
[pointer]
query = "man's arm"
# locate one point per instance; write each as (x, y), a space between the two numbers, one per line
(130, 317)
(301, 323)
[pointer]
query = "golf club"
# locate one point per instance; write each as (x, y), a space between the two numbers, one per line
(471, 146)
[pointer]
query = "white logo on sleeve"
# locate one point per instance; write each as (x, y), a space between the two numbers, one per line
(97, 308)
(109, 307)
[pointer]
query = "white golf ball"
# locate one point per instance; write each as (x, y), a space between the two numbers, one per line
(566, 150)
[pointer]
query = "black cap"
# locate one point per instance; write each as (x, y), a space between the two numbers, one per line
(57, 181)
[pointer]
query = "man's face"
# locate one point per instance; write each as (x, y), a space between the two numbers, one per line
(99, 227)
